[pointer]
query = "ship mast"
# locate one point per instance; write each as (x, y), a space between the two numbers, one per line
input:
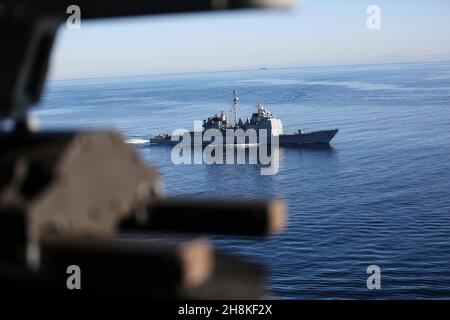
(234, 108)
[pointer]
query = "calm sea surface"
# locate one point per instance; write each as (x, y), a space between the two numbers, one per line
(380, 195)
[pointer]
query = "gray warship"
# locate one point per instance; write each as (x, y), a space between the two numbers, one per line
(262, 119)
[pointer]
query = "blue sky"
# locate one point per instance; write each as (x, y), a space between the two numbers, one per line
(315, 32)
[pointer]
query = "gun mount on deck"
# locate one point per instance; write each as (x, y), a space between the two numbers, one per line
(68, 198)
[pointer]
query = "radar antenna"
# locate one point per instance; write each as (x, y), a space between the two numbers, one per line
(234, 106)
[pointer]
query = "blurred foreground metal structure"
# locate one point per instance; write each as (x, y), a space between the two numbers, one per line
(67, 198)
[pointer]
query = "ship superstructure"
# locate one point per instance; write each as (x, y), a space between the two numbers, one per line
(262, 119)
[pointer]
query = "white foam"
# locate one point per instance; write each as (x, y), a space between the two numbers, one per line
(357, 85)
(270, 82)
(137, 141)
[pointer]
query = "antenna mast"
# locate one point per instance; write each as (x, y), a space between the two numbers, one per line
(234, 108)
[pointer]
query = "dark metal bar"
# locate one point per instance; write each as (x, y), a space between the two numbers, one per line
(126, 268)
(93, 9)
(232, 277)
(221, 216)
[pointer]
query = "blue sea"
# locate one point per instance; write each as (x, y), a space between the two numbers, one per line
(380, 195)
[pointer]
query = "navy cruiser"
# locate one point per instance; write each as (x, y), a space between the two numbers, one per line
(260, 120)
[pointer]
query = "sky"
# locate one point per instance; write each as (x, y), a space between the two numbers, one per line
(314, 32)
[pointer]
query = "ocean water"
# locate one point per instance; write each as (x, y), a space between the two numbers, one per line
(380, 195)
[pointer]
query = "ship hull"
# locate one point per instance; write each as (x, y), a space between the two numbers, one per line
(315, 137)
(305, 138)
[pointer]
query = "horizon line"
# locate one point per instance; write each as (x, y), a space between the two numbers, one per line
(255, 68)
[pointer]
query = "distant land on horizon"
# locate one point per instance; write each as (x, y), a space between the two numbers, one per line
(378, 59)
